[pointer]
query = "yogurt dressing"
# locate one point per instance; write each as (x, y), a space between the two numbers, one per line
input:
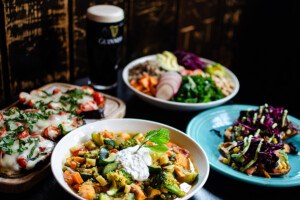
(135, 163)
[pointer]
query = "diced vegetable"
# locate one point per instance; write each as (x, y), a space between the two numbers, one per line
(101, 180)
(110, 167)
(68, 178)
(87, 191)
(76, 177)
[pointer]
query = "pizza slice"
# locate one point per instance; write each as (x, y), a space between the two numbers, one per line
(48, 123)
(77, 100)
(19, 150)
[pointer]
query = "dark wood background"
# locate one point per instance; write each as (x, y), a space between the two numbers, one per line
(44, 41)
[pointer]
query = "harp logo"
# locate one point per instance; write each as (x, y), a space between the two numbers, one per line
(114, 30)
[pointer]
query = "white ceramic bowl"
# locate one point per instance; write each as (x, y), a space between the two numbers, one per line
(61, 151)
(178, 105)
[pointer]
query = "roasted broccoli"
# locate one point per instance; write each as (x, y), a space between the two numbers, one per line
(118, 179)
(167, 180)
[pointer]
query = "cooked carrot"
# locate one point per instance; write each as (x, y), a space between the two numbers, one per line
(126, 136)
(73, 164)
(107, 134)
(144, 81)
(68, 178)
(146, 84)
(153, 81)
(77, 177)
(138, 87)
(78, 159)
(133, 82)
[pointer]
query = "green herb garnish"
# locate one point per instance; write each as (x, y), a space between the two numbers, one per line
(160, 137)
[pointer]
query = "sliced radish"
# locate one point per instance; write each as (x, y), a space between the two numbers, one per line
(173, 83)
(172, 79)
(171, 74)
(165, 92)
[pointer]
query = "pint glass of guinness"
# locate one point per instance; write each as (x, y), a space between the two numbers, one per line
(104, 38)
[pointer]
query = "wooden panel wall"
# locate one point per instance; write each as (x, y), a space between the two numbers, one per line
(210, 28)
(152, 27)
(37, 42)
(1, 78)
(44, 40)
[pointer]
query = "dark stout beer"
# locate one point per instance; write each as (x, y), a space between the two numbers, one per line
(104, 39)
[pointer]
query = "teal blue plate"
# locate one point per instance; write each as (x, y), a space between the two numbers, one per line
(200, 129)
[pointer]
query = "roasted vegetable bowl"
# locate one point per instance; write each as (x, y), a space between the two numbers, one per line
(129, 159)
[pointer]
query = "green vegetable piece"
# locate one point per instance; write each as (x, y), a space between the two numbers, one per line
(154, 169)
(168, 181)
(129, 196)
(86, 176)
(119, 179)
(184, 175)
(112, 191)
(239, 157)
(103, 159)
(97, 138)
(104, 196)
(110, 167)
(168, 61)
(215, 69)
(190, 177)
(110, 143)
(174, 189)
(62, 130)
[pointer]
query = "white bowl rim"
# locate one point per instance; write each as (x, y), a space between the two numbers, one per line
(187, 105)
(70, 135)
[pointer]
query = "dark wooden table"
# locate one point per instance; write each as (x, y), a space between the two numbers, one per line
(217, 186)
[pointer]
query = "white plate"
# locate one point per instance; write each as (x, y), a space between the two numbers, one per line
(178, 105)
(62, 149)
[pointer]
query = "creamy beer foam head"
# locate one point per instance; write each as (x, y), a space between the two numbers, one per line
(105, 13)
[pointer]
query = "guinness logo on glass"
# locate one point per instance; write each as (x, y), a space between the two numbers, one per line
(114, 30)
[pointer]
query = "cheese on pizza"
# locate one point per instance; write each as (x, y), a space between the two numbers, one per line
(28, 136)
(76, 100)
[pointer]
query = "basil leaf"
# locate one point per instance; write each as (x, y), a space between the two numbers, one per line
(160, 136)
(158, 148)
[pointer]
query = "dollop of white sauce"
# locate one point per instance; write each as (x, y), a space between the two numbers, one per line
(135, 163)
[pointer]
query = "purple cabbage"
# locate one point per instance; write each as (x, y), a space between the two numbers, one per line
(189, 60)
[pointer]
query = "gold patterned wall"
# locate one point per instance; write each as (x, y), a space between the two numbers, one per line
(44, 41)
